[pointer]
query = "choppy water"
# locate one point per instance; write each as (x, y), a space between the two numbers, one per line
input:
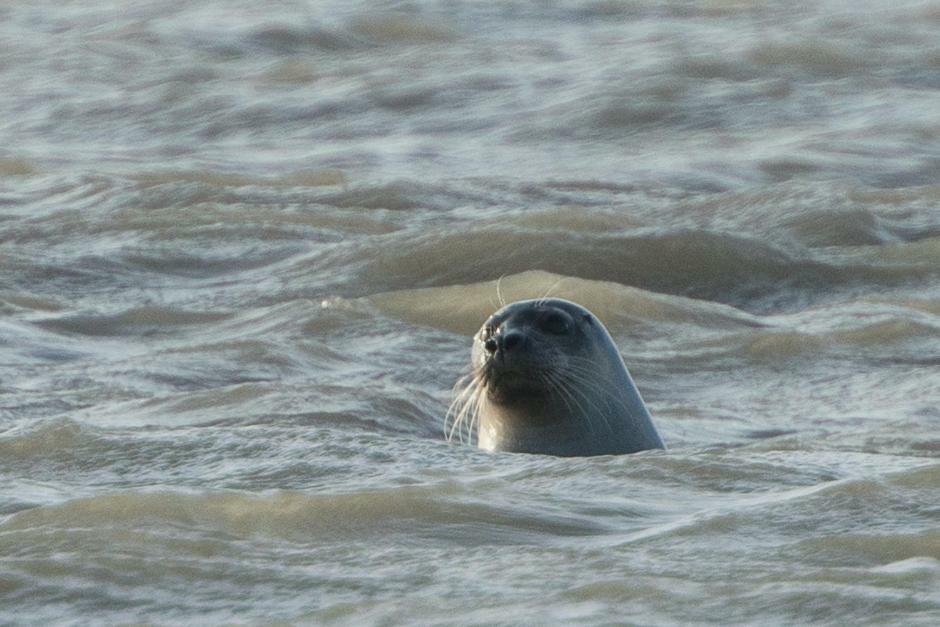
(243, 247)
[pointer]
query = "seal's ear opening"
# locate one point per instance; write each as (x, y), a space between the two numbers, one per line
(589, 318)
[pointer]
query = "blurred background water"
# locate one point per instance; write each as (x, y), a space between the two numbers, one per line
(243, 247)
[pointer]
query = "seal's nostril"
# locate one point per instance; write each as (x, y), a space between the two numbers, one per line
(511, 340)
(490, 345)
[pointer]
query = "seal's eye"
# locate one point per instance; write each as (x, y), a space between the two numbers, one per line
(554, 322)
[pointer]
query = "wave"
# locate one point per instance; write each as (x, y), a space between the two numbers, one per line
(135, 321)
(463, 308)
(445, 510)
(733, 269)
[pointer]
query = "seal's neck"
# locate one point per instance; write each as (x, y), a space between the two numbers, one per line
(550, 426)
(537, 427)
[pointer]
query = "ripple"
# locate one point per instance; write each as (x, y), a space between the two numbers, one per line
(137, 321)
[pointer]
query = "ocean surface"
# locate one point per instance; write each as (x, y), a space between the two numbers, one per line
(244, 246)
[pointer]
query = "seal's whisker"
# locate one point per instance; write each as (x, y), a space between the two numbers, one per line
(553, 379)
(462, 419)
(499, 294)
(596, 386)
(472, 413)
(468, 386)
(551, 288)
(464, 413)
(474, 425)
(566, 398)
(582, 386)
(614, 403)
(588, 370)
(567, 391)
(465, 380)
(589, 376)
(452, 419)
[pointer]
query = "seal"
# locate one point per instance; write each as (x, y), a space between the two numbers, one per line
(547, 378)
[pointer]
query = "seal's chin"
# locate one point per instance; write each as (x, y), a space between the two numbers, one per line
(509, 385)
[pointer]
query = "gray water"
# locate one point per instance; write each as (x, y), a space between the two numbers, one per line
(243, 247)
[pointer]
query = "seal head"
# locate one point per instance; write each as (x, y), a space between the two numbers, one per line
(547, 378)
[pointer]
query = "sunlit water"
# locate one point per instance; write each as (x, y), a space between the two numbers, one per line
(243, 247)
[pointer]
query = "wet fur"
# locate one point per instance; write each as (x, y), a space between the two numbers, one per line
(568, 395)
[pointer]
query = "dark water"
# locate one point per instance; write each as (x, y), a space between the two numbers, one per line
(243, 248)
